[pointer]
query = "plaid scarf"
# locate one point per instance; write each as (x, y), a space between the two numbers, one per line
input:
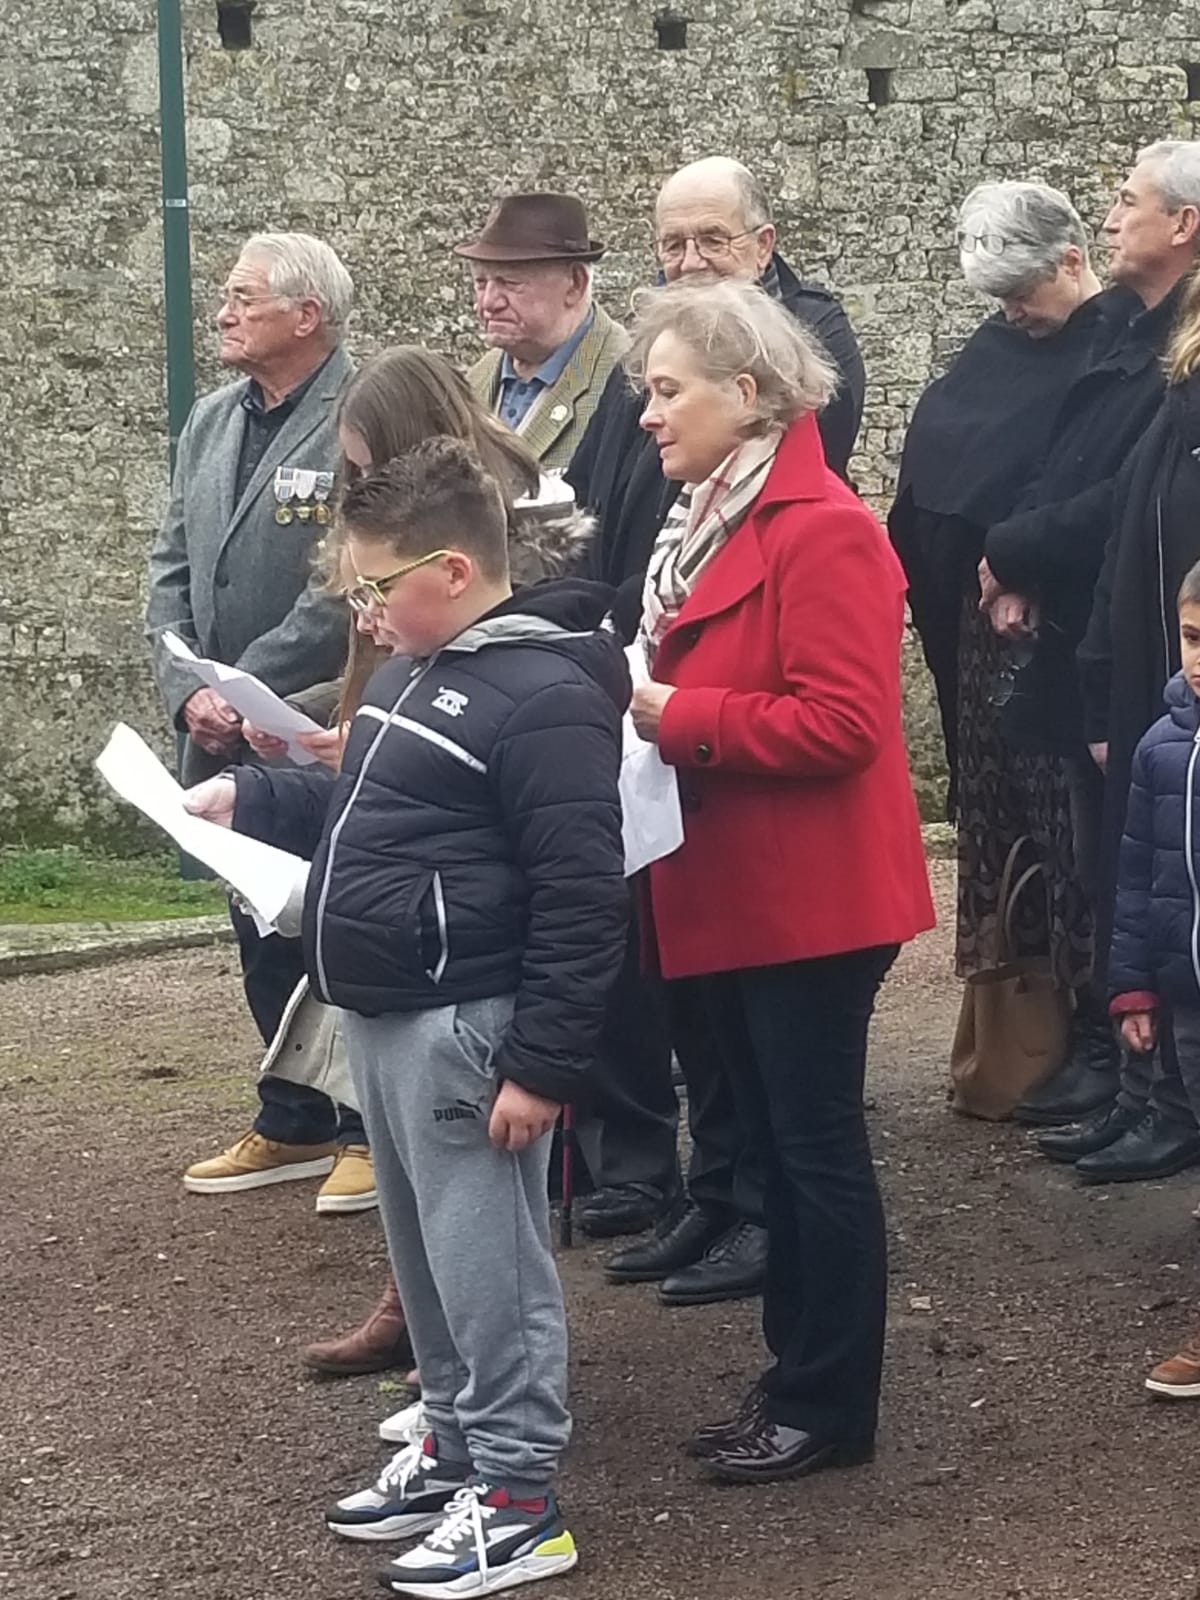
(698, 525)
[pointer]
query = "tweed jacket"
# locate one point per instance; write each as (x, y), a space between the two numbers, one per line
(555, 423)
(230, 580)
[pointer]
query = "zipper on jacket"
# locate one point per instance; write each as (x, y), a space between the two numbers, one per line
(439, 905)
(1188, 817)
(336, 831)
(1162, 594)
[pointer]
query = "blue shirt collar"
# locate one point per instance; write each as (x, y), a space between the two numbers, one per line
(552, 369)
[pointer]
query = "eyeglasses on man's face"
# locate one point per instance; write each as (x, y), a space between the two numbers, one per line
(364, 593)
(989, 244)
(712, 244)
(238, 300)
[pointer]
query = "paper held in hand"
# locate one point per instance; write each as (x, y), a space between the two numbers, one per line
(651, 816)
(249, 697)
(266, 878)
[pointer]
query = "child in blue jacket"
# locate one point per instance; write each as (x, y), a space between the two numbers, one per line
(1154, 965)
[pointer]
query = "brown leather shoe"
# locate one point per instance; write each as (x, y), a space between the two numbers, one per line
(380, 1344)
(1179, 1377)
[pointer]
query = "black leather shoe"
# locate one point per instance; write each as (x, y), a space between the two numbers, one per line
(1154, 1148)
(680, 1240)
(750, 1415)
(773, 1451)
(732, 1268)
(622, 1208)
(1089, 1078)
(1097, 1132)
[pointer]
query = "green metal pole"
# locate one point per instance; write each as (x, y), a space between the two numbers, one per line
(177, 254)
(177, 263)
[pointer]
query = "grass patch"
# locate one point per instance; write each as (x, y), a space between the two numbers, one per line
(68, 885)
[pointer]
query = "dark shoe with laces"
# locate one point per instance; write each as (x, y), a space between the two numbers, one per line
(680, 1240)
(1097, 1132)
(773, 1451)
(622, 1208)
(748, 1416)
(1154, 1148)
(734, 1267)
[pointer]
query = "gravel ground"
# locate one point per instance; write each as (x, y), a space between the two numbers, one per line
(158, 1438)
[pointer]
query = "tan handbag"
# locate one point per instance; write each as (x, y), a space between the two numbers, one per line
(1015, 1020)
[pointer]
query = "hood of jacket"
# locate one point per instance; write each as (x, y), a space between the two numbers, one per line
(1182, 706)
(570, 615)
(550, 535)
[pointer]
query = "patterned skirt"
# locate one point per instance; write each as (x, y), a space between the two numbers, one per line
(1005, 795)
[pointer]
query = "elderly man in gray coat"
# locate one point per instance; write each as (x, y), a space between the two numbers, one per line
(234, 573)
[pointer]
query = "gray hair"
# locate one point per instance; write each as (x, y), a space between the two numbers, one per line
(733, 327)
(1176, 164)
(300, 267)
(752, 199)
(1012, 236)
(756, 208)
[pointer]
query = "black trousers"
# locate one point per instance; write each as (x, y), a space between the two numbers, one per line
(628, 1125)
(290, 1113)
(794, 1038)
(727, 1169)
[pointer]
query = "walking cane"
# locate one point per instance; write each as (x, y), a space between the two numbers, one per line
(567, 1175)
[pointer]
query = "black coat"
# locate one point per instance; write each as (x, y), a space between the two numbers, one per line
(972, 448)
(1052, 548)
(616, 474)
(1131, 649)
(471, 846)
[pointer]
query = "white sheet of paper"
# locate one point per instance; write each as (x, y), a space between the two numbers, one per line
(250, 697)
(651, 816)
(264, 876)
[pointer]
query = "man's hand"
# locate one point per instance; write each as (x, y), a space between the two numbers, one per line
(1139, 1031)
(212, 722)
(519, 1118)
(1099, 754)
(213, 800)
(1014, 617)
(326, 746)
(263, 744)
(646, 708)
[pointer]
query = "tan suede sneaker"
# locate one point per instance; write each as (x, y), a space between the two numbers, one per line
(1178, 1378)
(254, 1162)
(351, 1184)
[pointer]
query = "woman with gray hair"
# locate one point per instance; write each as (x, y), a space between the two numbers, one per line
(772, 616)
(973, 448)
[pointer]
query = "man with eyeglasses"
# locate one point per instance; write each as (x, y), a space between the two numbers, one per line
(711, 220)
(233, 573)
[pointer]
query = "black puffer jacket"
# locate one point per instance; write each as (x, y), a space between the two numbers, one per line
(471, 845)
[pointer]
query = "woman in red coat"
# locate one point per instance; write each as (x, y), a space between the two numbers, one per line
(772, 622)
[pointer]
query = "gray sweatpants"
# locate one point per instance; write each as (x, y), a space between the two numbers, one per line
(468, 1232)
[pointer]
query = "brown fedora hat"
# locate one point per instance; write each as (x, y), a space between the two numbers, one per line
(534, 227)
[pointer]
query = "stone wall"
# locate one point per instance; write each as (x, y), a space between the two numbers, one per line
(387, 127)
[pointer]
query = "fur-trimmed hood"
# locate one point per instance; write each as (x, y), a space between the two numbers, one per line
(551, 536)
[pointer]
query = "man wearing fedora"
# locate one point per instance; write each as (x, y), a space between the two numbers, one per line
(551, 349)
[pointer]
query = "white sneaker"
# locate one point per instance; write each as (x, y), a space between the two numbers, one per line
(405, 1427)
(410, 1496)
(483, 1545)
